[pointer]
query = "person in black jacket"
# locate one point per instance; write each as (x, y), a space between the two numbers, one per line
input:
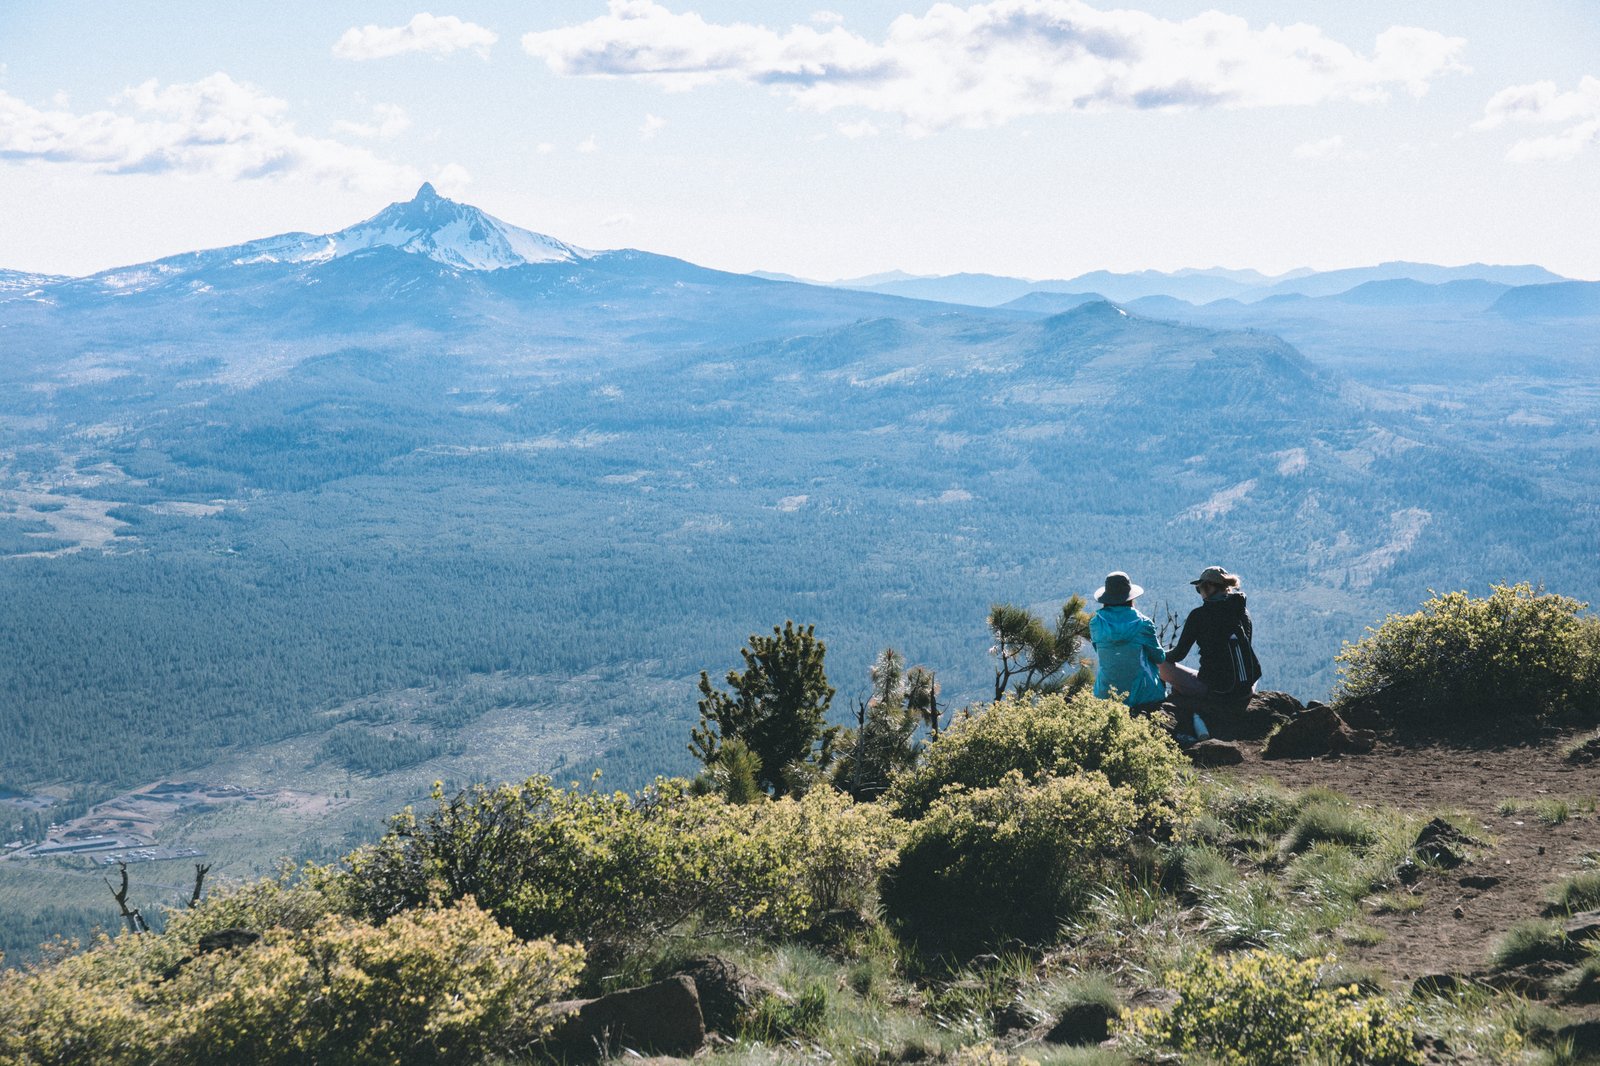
(1222, 629)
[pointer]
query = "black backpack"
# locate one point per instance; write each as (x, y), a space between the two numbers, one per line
(1243, 666)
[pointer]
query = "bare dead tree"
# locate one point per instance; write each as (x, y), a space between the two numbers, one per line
(200, 871)
(130, 915)
(1170, 628)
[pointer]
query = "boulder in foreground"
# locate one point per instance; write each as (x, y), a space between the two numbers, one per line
(664, 1018)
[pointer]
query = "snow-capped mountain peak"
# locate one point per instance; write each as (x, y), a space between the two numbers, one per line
(455, 234)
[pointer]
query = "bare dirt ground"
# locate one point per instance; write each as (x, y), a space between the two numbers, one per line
(1466, 910)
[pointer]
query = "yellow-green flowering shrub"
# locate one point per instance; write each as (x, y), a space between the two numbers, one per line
(1012, 862)
(1519, 654)
(615, 871)
(428, 986)
(1049, 736)
(1264, 1009)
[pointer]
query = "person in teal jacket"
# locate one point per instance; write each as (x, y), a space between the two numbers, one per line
(1125, 642)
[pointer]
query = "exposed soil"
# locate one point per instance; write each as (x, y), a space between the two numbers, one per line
(1466, 910)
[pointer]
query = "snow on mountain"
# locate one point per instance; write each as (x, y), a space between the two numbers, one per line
(455, 234)
(458, 235)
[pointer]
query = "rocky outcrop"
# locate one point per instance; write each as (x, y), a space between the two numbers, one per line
(1443, 845)
(664, 1018)
(1088, 1022)
(728, 994)
(1317, 730)
(1215, 753)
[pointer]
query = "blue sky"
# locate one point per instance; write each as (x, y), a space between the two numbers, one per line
(1040, 138)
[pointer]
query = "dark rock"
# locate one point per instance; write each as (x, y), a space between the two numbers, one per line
(664, 1017)
(1584, 987)
(1409, 872)
(1530, 979)
(1585, 1038)
(1248, 717)
(1585, 925)
(1440, 984)
(1215, 753)
(835, 927)
(1308, 734)
(1361, 714)
(1360, 742)
(1587, 752)
(1441, 844)
(1083, 1023)
(1012, 1018)
(223, 939)
(1317, 730)
(728, 994)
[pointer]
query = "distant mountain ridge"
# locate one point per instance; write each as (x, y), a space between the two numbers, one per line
(1194, 286)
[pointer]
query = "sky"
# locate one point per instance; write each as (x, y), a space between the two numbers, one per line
(1033, 138)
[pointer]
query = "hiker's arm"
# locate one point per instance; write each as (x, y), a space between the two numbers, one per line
(1185, 639)
(1152, 646)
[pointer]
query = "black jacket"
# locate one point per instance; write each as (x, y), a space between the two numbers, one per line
(1225, 664)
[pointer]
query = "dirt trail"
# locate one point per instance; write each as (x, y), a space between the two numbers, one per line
(1465, 911)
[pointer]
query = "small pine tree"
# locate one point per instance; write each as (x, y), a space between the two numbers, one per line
(881, 742)
(777, 708)
(1033, 655)
(922, 696)
(738, 773)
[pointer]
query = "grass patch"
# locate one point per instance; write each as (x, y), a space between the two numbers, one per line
(969, 999)
(1532, 940)
(1331, 819)
(1252, 913)
(1552, 811)
(1580, 892)
(1199, 868)
(1397, 902)
(1480, 1024)
(1266, 809)
(1361, 935)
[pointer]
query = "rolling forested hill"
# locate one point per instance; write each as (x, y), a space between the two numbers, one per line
(247, 498)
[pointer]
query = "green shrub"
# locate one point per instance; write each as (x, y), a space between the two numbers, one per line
(617, 871)
(1266, 1009)
(1049, 736)
(1011, 862)
(429, 986)
(1517, 657)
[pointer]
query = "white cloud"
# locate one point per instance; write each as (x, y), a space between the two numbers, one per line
(545, 147)
(214, 127)
(1543, 103)
(440, 35)
(588, 144)
(388, 121)
(653, 124)
(1328, 148)
(452, 179)
(988, 63)
(623, 219)
(857, 130)
(825, 17)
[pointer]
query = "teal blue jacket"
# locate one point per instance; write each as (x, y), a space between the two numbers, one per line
(1126, 644)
